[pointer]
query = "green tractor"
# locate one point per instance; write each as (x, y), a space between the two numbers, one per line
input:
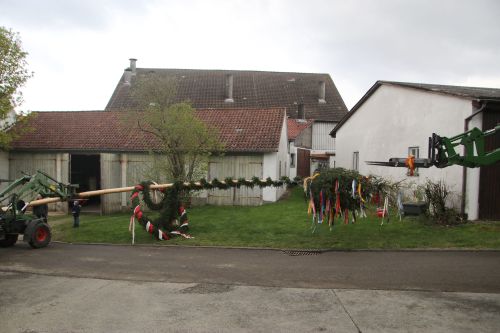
(14, 200)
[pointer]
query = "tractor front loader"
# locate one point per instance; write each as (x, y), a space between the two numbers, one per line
(15, 199)
(443, 152)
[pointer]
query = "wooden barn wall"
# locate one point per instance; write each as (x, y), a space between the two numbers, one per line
(110, 178)
(139, 168)
(489, 183)
(55, 165)
(321, 138)
(236, 166)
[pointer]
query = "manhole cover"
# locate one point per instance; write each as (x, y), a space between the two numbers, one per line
(302, 252)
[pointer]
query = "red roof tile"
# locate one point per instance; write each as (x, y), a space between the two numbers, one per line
(295, 126)
(241, 130)
(248, 130)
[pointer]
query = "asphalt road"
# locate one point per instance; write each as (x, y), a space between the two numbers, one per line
(99, 288)
(464, 271)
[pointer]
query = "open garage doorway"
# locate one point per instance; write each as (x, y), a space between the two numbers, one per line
(86, 172)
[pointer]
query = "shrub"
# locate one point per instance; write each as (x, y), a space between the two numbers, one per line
(436, 194)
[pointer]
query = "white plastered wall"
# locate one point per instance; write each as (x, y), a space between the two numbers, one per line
(395, 118)
(276, 165)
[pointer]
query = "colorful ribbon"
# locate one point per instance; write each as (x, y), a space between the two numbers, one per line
(410, 163)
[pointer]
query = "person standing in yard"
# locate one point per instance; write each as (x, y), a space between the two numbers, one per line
(41, 211)
(76, 214)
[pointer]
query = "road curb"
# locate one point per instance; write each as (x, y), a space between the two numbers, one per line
(289, 249)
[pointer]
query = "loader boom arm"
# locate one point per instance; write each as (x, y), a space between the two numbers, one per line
(443, 151)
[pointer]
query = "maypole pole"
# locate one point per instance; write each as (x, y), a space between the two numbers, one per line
(173, 219)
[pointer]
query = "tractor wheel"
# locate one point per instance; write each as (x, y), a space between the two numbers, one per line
(10, 240)
(39, 235)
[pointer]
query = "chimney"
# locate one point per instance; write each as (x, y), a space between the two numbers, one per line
(127, 76)
(321, 92)
(132, 64)
(300, 111)
(229, 88)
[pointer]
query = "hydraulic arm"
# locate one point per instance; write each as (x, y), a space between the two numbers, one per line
(443, 152)
(38, 184)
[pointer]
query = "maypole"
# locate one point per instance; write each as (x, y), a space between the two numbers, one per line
(173, 220)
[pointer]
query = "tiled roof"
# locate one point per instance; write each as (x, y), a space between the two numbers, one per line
(83, 130)
(251, 89)
(468, 92)
(295, 126)
(246, 130)
(241, 130)
(459, 91)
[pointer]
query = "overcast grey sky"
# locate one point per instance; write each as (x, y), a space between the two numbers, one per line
(79, 49)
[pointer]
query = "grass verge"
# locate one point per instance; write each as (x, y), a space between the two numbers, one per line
(284, 224)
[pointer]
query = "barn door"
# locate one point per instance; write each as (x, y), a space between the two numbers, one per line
(303, 163)
(220, 169)
(489, 179)
(248, 168)
(235, 167)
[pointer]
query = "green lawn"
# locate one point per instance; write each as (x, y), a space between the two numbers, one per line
(284, 224)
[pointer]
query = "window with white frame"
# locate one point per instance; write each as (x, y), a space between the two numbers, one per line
(414, 151)
(292, 160)
(355, 161)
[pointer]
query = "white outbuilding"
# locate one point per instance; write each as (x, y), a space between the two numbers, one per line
(395, 119)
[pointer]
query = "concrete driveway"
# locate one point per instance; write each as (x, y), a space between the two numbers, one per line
(96, 288)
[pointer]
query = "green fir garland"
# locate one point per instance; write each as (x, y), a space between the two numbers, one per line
(171, 209)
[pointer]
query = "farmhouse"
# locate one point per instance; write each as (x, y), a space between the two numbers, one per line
(98, 149)
(395, 119)
(306, 97)
(250, 109)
